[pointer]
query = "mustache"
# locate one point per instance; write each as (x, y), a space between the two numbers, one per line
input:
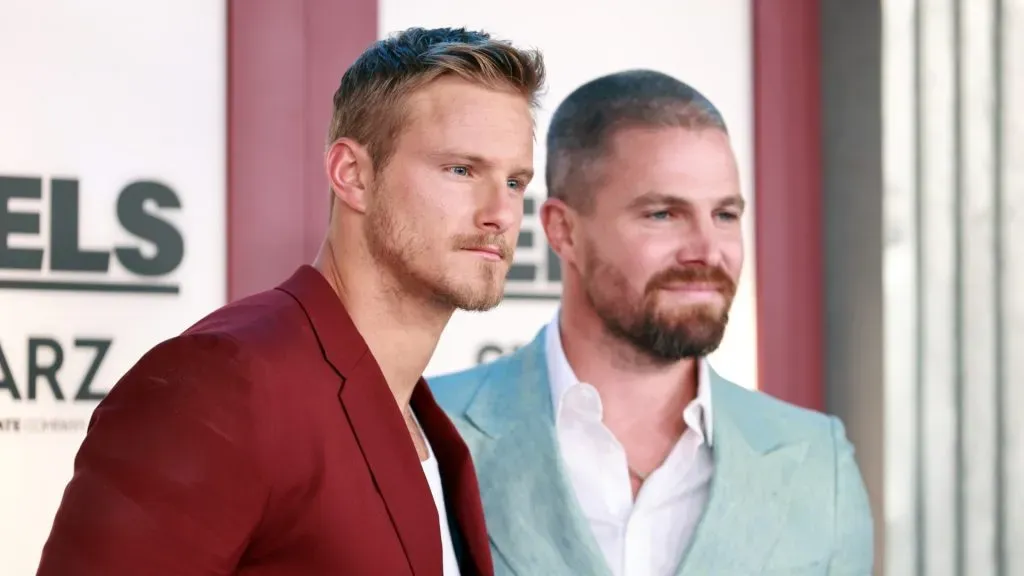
(713, 275)
(485, 242)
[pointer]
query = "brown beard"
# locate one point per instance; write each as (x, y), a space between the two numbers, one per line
(665, 336)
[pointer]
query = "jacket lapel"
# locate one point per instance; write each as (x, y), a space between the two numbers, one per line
(533, 519)
(462, 495)
(750, 491)
(374, 418)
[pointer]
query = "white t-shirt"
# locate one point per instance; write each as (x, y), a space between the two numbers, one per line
(433, 474)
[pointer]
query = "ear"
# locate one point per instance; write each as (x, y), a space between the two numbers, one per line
(559, 221)
(350, 172)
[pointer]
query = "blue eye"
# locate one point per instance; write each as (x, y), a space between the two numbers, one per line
(515, 184)
(459, 170)
(728, 216)
(659, 215)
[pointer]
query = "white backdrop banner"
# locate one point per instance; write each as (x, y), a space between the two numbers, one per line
(112, 220)
(706, 44)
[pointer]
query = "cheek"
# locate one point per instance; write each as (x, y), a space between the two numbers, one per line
(420, 200)
(644, 255)
(625, 257)
(516, 228)
(733, 255)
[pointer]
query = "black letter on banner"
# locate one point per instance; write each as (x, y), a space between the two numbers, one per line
(65, 254)
(84, 390)
(49, 372)
(6, 378)
(170, 246)
(19, 223)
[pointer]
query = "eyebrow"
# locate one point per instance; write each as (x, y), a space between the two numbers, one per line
(477, 160)
(656, 198)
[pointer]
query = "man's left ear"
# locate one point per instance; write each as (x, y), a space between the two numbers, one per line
(559, 221)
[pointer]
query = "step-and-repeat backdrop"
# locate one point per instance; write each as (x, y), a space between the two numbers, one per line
(113, 193)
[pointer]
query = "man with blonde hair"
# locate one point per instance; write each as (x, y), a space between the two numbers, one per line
(291, 432)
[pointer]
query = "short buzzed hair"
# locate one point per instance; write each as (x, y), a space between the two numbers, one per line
(585, 121)
(369, 103)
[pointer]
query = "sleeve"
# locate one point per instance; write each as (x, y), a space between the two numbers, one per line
(168, 479)
(854, 554)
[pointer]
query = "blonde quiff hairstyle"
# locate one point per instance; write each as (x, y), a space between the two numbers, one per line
(369, 103)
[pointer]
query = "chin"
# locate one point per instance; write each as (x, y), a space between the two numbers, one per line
(472, 298)
(478, 302)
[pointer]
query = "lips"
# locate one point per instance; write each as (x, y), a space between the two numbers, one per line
(494, 251)
(490, 249)
(492, 245)
(694, 287)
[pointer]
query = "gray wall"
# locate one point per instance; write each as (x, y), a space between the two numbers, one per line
(936, 434)
(852, 221)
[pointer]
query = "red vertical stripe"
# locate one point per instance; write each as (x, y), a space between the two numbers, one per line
(285, 59)
(788, 207)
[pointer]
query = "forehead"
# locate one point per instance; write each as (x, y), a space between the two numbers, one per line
(453, 112)
(695, 165)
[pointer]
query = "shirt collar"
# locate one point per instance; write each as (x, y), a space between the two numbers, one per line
(562, 378)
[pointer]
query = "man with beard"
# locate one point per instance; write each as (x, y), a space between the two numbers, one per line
(291, 432)
(608, 445)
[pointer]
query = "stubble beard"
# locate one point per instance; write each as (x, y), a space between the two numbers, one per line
(398, 249)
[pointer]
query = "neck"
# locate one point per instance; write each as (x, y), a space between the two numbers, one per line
(400, 330)
(634, 387)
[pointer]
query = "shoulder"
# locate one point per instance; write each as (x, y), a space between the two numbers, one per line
(224, 354)
(220, 370)
(829, 480)
(184, 376)
(455, 390)
(766, 420)
(503, 379)
(258, 323)
(779, 416)
(258, 339)
(506, 375)
(773, 421)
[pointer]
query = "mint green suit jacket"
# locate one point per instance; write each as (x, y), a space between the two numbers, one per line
(786, 498)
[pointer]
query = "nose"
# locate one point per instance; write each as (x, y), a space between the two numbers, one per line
(700, 245)
(499, 210)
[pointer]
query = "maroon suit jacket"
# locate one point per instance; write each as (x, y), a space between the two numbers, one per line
(263, 441)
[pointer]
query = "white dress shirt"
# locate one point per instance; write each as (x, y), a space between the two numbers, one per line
(433, 474)
(647, 537)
